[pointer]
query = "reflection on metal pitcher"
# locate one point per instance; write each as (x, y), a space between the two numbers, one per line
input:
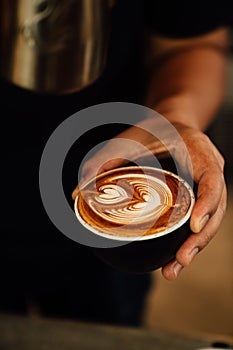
(49, 13)
(54, 46)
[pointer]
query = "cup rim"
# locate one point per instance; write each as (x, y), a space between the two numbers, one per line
(141, 237)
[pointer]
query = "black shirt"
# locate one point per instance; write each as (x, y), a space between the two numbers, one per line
(182, 19)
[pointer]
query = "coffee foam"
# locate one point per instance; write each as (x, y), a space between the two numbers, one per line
(131, 202)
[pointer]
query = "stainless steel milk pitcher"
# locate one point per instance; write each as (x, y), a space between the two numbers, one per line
(53, 46)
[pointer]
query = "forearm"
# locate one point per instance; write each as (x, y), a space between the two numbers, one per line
(187, 86)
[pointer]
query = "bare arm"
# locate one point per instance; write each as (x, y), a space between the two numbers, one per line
(187, 77)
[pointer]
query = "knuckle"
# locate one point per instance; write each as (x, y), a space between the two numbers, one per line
(204, 138)
(218, 156)
(222, 161)
(86, 165)
(222, 208)
(216, 174)
(221, 179)
(205, 240)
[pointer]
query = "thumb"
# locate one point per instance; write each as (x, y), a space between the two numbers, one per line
(91, 169)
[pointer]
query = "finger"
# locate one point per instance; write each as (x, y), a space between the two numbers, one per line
(91, 169)
(172, 270)
(195, 243)
(117, 152)
(210, 189)
(218, 155)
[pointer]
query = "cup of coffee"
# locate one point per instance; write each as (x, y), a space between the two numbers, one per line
(144, 209)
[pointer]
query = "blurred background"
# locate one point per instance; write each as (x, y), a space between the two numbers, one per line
(201, 299)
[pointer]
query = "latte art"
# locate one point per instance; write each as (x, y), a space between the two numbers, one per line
(129, 202)
(144, 199)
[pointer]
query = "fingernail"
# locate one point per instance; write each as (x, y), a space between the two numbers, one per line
(177, 268)
(193, 253)
(203, 222)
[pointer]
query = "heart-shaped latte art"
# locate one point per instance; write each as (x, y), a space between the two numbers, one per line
(132, 202)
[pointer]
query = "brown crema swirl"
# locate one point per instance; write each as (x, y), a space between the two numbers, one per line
(133, 201)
